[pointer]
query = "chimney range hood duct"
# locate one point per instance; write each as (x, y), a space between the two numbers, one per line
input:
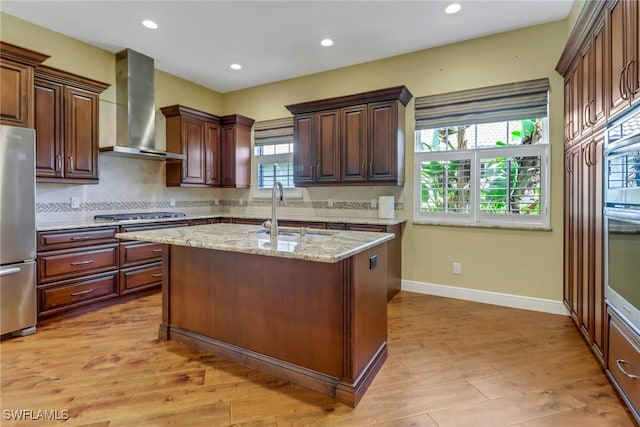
(135, 116)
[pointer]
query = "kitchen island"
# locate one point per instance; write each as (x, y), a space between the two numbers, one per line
(308, 307)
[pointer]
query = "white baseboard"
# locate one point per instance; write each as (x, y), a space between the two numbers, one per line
(487, 297)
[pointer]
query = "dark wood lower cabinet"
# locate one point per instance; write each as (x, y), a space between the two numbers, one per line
(82, 268)
(583, 242)
(623, 362)
(137, 278)
(320, 325)
(56, 298)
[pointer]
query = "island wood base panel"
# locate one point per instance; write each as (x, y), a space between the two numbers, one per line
(319, 325)
(340, 389)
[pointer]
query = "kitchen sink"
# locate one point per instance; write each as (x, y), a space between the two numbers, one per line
(292, 233)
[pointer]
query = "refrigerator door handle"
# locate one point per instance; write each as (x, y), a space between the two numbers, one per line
(9, 271)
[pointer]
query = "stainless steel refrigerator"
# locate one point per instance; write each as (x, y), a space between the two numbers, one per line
(17, 231)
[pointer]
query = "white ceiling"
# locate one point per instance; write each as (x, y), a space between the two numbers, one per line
(276, 40)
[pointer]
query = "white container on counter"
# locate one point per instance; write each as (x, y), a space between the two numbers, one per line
(386, 207)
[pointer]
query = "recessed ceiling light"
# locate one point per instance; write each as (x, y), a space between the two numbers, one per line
(326, 42)
(150, 24)
(236, 66)
(453, 8)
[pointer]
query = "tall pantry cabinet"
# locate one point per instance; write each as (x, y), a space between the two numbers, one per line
(601, 70)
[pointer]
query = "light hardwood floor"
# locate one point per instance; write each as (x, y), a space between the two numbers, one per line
(451, 363)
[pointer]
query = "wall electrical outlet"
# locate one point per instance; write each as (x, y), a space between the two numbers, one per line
(374, 203)
(457, 268)
(241, 202)
(330, 203)
(215, 202)
(172, 201)
(75, 202)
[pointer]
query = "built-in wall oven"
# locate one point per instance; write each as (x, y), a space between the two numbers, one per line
(622, 217)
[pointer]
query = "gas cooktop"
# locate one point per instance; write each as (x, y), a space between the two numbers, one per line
(137, 215)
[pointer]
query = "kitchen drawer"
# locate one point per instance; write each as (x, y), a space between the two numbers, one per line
(53, 298)
(136, 253)
(68, 264)
(154, 226)
(65, 239)
(624, 362)
(367, 227)
(202, 221)
(137, 278)
(317, 225)
(249, 221)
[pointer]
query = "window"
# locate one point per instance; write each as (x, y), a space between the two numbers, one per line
(273, 153)
(482, 156)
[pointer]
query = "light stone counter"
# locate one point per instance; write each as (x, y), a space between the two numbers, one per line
(327, 246)
(87, 223)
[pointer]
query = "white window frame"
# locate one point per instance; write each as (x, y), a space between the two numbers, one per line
(264, 193)
(475, 218)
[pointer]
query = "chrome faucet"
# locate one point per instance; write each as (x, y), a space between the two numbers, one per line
(274, 208)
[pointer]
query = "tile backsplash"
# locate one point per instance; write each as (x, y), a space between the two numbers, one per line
(128, 185)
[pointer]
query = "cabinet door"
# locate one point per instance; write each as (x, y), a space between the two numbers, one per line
(597, 106)
(227, 156)
(586, 217)
(303, 153)
(592, 64)
(354, 143)
(567, 248)
(569, 108)
(193, 167)
(573, 237)
(49, 131)
(328, 146)
(383, 141)
(212, 149)
(597, 256)
(81, 133)
(16, 81)
(621, 47)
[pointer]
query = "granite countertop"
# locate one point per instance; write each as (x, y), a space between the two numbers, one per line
(86, 223)
(317, 245)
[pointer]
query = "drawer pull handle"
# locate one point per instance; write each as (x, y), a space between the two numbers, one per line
(157, 275)
(82, 262)
(81, 238)
(157, 250)
(621, 362)
(75, 294)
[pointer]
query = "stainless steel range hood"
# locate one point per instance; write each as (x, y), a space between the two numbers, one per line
(135, 116)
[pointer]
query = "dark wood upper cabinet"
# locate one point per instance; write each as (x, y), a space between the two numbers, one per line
(351, 140)
(212, 150)
(327, 146)
(217, 149)
(235, 169)
(66, 120)
(16, 79)
(195, 134)
(354, 143)
(304, 154)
